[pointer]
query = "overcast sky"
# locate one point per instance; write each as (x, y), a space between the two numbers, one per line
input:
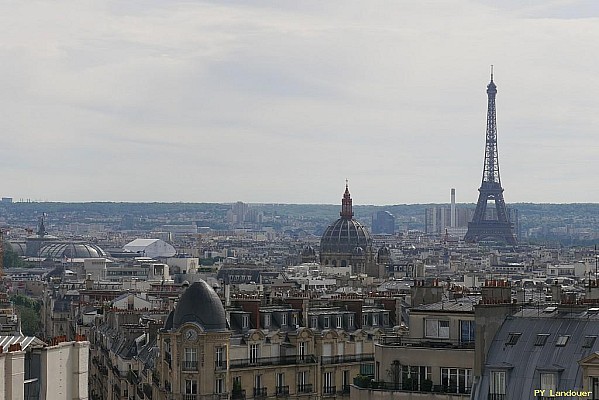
(280, 101)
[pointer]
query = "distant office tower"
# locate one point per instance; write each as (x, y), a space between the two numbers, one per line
(453, 218)
(487, 225)
(383, 222)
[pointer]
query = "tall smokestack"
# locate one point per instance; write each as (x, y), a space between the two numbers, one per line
(452, 223)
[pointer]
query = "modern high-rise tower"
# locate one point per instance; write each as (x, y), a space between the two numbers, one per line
(491, 225)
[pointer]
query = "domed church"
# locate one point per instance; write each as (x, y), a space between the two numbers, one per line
(346, 242)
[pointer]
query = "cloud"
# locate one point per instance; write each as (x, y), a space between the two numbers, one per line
(281, 101)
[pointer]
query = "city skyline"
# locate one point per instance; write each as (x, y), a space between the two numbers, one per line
(280, 102)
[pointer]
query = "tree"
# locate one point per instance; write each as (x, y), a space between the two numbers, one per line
(28, 310)
(11, 258)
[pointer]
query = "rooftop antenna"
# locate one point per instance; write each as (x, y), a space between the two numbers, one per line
(491, 72)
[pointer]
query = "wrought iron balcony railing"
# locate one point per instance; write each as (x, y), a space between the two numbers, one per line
(348, 358)
(282, 360)
(189, 366)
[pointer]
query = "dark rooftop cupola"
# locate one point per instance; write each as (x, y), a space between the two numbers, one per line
(201, 305)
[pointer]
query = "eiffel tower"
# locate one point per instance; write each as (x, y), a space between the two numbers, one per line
(482, 227)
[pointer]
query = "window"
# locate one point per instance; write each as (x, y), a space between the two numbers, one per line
(548, 382)
(436, 328)
(219, 356)
(367, 369)
(541, 339)
(302, 377)
(283, 319)
(589, 341)
(350, 321)
(326, 322)
(302, 382)
(245, 321)
(413, 376)
(257, 382)
(280, 388)
(328, 383)
(302, 349)
(466, 331)
(562, 340)
(254, 352)
(456, 380)
(219, 385)
(280, 378)
(498, 383)
(191, 386)
(190, 359)
(266, 320)
(314, 322)
(365, 320)
(594, 386)
(294, 320)
(339, 321)
(375, 319)
(513, 338)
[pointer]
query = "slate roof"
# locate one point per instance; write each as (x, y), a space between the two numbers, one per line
(530, 355)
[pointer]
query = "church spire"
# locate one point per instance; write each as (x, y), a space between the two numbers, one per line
(346, 204)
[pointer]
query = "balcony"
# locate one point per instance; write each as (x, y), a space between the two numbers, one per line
(238, 394)
(493, 396)
(190, 397)
(189, 365)
(305, 388)
(426, 386)
(349, 358)
(344, 391)
(282, 391)
(329, 391)
(395, 341)
(283, 360)
(260, 392)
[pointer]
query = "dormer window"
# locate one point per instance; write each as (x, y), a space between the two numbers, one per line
(375, 319)
(350, 321)
(326, 322)
(339, 321)
(245, 321)
(365, 320)
(267, 320)
(284, 319)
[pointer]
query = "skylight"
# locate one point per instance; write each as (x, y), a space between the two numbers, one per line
(562, 340)
(589, 341)
(513, 338)
(541, 339)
